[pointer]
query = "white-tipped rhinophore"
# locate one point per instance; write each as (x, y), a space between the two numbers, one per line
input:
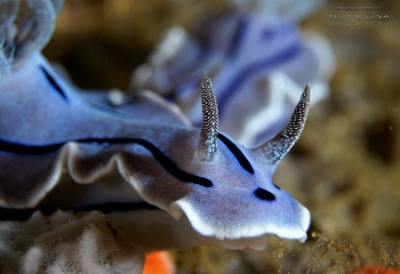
(207, 150)
(276, 148)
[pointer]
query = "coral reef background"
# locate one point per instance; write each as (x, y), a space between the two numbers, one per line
(345, 167)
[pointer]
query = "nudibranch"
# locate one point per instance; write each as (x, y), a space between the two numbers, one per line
(160, 183)
(257, 66)
(222, 189)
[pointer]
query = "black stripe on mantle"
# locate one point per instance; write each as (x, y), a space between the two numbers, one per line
(164, 160)
(54, 84)
(237, 153)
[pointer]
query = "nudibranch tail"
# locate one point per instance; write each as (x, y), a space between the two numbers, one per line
(276, 148)
(207, 150)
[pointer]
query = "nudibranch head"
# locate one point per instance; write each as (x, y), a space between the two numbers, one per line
(242, 204)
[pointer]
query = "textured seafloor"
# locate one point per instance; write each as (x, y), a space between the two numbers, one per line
(345, 168)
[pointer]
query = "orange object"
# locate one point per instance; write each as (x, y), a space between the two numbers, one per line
(374, 269)
(158, 262)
